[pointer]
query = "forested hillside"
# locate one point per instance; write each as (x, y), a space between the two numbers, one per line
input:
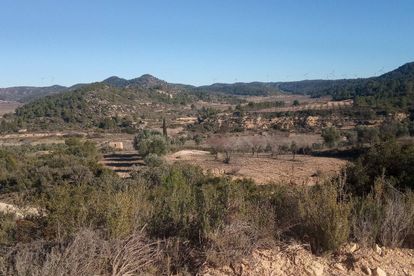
(96, 105)
(114, 101)
(391, 90)
(242, 89)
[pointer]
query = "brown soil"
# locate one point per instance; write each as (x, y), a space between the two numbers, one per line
(8, 107)
(296, 260)
(304, 170)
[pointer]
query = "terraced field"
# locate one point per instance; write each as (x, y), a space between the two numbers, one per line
(311, 106)
(123, 163)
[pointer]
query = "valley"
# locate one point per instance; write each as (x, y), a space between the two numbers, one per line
(206, 138)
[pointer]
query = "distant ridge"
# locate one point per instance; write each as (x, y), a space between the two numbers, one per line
(339, 89)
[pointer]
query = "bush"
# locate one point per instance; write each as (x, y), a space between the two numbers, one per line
(367, 135)
(87, 253)
(232, 243)
(389, 159)
(385, 216)
(325, 217)
(7, 226)
(118, 211)
(186, 206)
(153, 160)
(147, 142)
(331, 136)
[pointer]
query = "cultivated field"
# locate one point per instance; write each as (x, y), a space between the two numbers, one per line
(8, 107)
(316, 105)
(304, 170)
(287, 98)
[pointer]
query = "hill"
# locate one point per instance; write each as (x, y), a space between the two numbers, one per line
(97, 105)
(388, 86)
(115, 101)
(242, 89)
(394, 89)
(27, 93)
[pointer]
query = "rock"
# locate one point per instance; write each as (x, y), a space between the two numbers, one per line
(378, 272)
(312, 121)
(366, 270)
(378, 249)
(353, 247)
(316, 269)
(340, 267)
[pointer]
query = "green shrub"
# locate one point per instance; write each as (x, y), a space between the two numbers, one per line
(7, 226)
(325, 217)
(147, 142)
(331, 136)
(153, 160)
(389, 159)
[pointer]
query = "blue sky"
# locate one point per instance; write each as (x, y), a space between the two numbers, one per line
(47, 42)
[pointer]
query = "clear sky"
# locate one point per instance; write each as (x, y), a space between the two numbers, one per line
(45, 42)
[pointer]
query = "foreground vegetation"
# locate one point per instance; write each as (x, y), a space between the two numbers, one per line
(173, 218)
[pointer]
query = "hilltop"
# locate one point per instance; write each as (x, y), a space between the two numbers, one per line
(26, 94)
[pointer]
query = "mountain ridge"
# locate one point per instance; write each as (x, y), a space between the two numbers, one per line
(316, 87)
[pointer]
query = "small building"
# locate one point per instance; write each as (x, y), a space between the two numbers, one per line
(116, 145)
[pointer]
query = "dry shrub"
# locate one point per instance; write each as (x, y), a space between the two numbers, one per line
(7, 226)
(179, 257)
(125, 211)
(86, 254)
(398, 218)
(231, 243)
(365, 221)
(253, 227)
(134, 255)
(385, 216)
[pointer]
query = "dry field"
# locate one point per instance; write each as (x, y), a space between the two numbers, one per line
(304, 170)
(318, 105)
(287, 98)
(215, 105)
(8, 107)
(245, 142)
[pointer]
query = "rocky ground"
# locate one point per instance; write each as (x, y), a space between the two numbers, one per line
(296, 260)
